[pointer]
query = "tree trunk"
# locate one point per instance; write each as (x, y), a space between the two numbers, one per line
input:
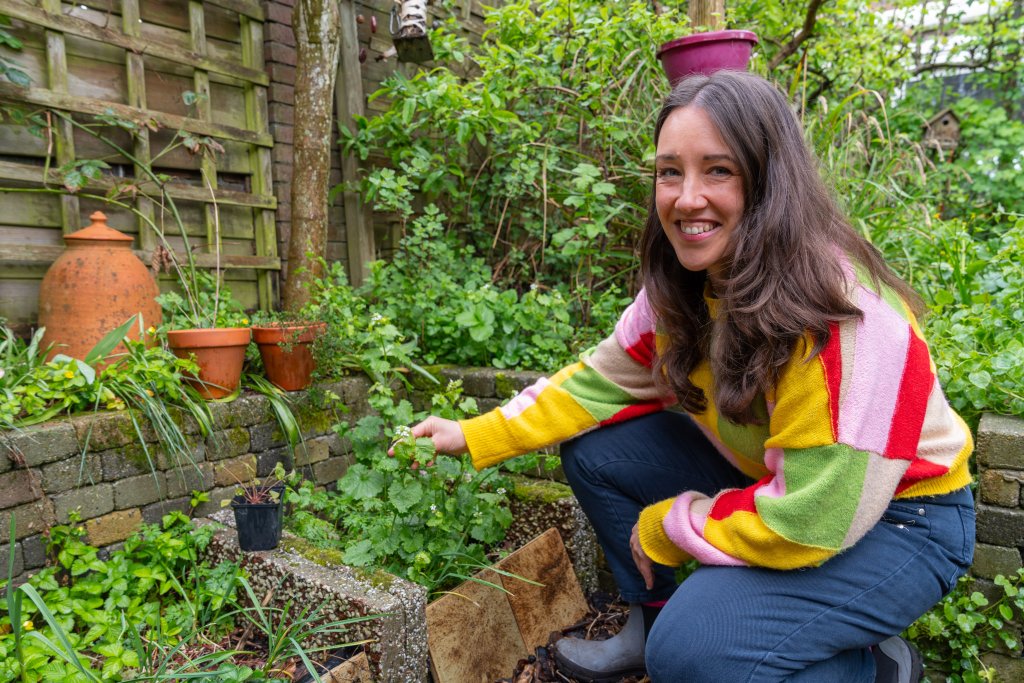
(709, 14)
(317, 39)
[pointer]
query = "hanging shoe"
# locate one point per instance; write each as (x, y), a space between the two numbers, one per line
(607, 661)
(897, 661)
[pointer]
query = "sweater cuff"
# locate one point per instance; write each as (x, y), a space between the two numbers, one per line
(489, 439)
(653, 538)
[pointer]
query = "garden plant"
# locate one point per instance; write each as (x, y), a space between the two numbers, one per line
(518, 172)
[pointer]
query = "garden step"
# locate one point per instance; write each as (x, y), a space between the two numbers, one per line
(478, 632)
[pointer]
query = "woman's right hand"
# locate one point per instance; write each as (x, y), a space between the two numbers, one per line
(446, 434)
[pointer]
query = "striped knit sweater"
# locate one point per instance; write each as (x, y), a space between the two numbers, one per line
(863, 422)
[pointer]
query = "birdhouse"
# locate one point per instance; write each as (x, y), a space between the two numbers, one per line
(942, 132)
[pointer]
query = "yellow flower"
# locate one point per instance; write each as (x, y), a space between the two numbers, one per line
(28, 625)
(69, 374)
(149, 392)
(151, 330)
(245, 321)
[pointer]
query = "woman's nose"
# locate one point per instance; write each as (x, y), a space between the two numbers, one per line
(691, 196)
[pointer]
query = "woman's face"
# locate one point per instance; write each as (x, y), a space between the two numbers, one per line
(698, 190)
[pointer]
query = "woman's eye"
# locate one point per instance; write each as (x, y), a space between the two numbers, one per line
(666, 172)
(720, 171)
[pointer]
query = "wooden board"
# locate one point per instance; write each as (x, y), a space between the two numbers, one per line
(510, 624)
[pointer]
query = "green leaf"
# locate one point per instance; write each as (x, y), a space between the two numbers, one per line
(405, 495)
(109, 341)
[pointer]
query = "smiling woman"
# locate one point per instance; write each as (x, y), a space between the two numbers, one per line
(819, 475)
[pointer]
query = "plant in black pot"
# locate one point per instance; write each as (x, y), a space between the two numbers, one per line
(257, 505)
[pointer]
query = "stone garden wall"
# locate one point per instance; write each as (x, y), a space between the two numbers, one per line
(44, 475)
(96, 465)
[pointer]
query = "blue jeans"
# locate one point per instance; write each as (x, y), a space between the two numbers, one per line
(727, 624)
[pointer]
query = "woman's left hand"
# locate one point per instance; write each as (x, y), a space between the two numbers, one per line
(643, 563)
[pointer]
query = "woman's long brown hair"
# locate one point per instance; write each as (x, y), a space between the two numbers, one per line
(783, 272)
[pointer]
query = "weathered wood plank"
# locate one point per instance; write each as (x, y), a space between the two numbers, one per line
(57, 78)
(201, 87)
(136, 76)
(248, 8)
(348, 103)
(18, 234)
(28, 254)
(88, 105)
(19, 300)
(30, 173)
(171, 13)
(86, 29)
(255, 104)
(31, 209)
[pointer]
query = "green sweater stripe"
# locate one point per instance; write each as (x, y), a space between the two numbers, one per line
(832, 473)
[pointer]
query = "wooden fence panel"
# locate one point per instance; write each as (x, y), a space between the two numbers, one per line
(140, 60)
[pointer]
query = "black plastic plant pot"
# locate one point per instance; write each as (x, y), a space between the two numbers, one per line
(258, 525)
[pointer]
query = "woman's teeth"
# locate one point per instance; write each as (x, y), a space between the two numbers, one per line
(697, 229)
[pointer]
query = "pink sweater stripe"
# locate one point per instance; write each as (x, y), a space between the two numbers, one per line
(881, 351)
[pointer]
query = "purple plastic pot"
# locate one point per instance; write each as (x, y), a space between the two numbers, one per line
(705, 53)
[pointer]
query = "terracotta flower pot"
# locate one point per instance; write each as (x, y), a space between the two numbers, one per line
(286, 353)
(220, 353)
(705, 53)
(93, 287)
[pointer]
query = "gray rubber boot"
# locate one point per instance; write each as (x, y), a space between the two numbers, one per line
(606, 661)
(897, 661)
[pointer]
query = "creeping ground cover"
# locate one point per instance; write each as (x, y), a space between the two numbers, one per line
(151, 611)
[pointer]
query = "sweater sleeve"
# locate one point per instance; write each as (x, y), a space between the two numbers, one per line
(844, 427)
(610, 383)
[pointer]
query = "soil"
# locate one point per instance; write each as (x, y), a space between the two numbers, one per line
(605, 618)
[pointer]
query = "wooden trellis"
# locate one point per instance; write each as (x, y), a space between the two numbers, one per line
(136, 60)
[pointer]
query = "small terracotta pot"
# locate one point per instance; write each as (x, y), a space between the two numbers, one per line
(220, 353)
(706, 53)
(286, 353)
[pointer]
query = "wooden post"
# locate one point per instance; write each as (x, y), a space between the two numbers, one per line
(348, 103)
(707, 15)
(256, 118)
(136, 81)
(57, 76)
(201, 85)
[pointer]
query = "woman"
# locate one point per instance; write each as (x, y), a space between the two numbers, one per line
(815, 471)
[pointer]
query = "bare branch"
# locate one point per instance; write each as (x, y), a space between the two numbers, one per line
(805, 32)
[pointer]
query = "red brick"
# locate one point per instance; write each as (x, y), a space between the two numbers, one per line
(280, 33)
(282, 154)
(282, 133)
(283, 192)
(282, 172)
(282, 92)
(282, 54)
(281, 73)
(282, 113)
(279, 12)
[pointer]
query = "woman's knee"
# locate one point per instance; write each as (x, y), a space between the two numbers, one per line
(679, 652)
